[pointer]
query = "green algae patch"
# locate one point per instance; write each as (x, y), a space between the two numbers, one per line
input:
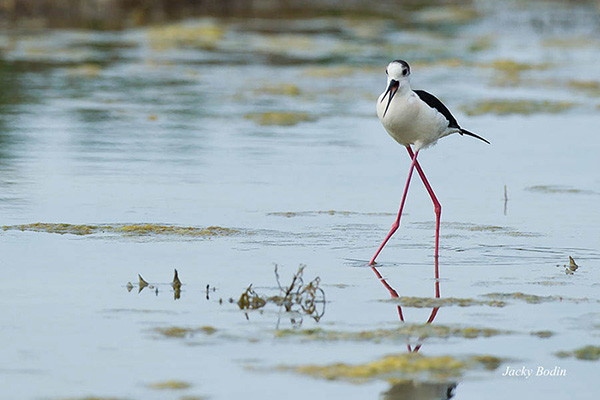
(429, 302)
(520, 107)
(588, 353)
(177, 332)
(590, 88)
(279, 118)
(542, 334)
(85, 71)
(501, 230)
(394, 368)
(330, 71)
(291, 214)
(284, 89)
(514, 67)
(61, 229)
(124, 229)
(185, 34)
(401, 333)
(94, 398)
(170, 385)
(535, 299)
(490, 363)
(555, 189)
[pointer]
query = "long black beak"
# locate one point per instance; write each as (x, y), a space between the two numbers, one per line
(466, 132)
(392, 89)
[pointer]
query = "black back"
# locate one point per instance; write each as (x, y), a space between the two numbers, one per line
(434, 102)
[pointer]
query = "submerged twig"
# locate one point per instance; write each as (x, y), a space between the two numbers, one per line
(296, 297)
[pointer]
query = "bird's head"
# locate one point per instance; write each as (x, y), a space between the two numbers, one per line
(398, 74)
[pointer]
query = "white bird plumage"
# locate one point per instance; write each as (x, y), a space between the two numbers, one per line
(414, 118)
(407, 117)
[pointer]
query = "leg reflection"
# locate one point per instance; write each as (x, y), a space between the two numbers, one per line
(394, 295)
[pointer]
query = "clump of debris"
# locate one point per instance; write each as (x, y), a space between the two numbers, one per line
(297, 297)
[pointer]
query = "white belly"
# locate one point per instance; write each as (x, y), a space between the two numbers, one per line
(412, 122)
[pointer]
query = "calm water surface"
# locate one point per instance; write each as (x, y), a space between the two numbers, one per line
(162, 125)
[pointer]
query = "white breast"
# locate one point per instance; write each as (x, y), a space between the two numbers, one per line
(410, 121)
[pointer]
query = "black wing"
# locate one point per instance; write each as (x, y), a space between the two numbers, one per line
(434, 102)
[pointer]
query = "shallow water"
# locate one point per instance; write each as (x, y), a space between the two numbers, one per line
(150, 126)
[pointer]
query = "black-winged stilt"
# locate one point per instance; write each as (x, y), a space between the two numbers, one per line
(418, 118)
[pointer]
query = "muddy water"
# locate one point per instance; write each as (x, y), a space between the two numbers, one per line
(130, 145)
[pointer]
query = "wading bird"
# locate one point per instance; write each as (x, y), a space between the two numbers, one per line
(418, 118)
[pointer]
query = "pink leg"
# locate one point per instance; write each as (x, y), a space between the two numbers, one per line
(436, 206)
(397, 222)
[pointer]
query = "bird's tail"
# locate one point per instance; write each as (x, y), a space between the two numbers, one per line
(466, 132)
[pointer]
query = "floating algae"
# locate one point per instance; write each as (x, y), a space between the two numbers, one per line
(502, 230)
(534, 299)
(428, 302)
(124, 229)
(93, 398)
(170, 385)
(185, 34)
(250, 300)
(306, 298)
(589, 353)
(401, 333)
(279, 118)
(284, 89)
(522, 107)
(591, 88)
(542, 334)
(394, 368)
(551, 189)
(85, 71)
(180, 332)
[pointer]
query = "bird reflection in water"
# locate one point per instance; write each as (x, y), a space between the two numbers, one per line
(412, 389)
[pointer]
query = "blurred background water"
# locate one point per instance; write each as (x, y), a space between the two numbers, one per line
(259, 117)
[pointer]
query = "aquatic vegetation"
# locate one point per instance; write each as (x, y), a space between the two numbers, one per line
(394, 368)
(204, 35)
(591, 88)
(124, 229)
(514, 67)
(534, 299)
(250, 300)
(481, 44)
(282, 89)
(503, 230)
(279, 118)
(330, 71)
(85, 71)
(428, 302)
(94, 398)
(551, 189)
(290, 214)
(522, 107)
(400, 333)
(572, 267)
(454, 13)
(542, 334)
(176, 284)
(182, 332)
(170, 385)
(589, 353)
(142, 283)
(306, 298)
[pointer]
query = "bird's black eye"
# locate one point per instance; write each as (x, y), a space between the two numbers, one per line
(404, 72)
(386, 71)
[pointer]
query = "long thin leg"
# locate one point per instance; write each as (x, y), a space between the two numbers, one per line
(436, 204)
(397, 222)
